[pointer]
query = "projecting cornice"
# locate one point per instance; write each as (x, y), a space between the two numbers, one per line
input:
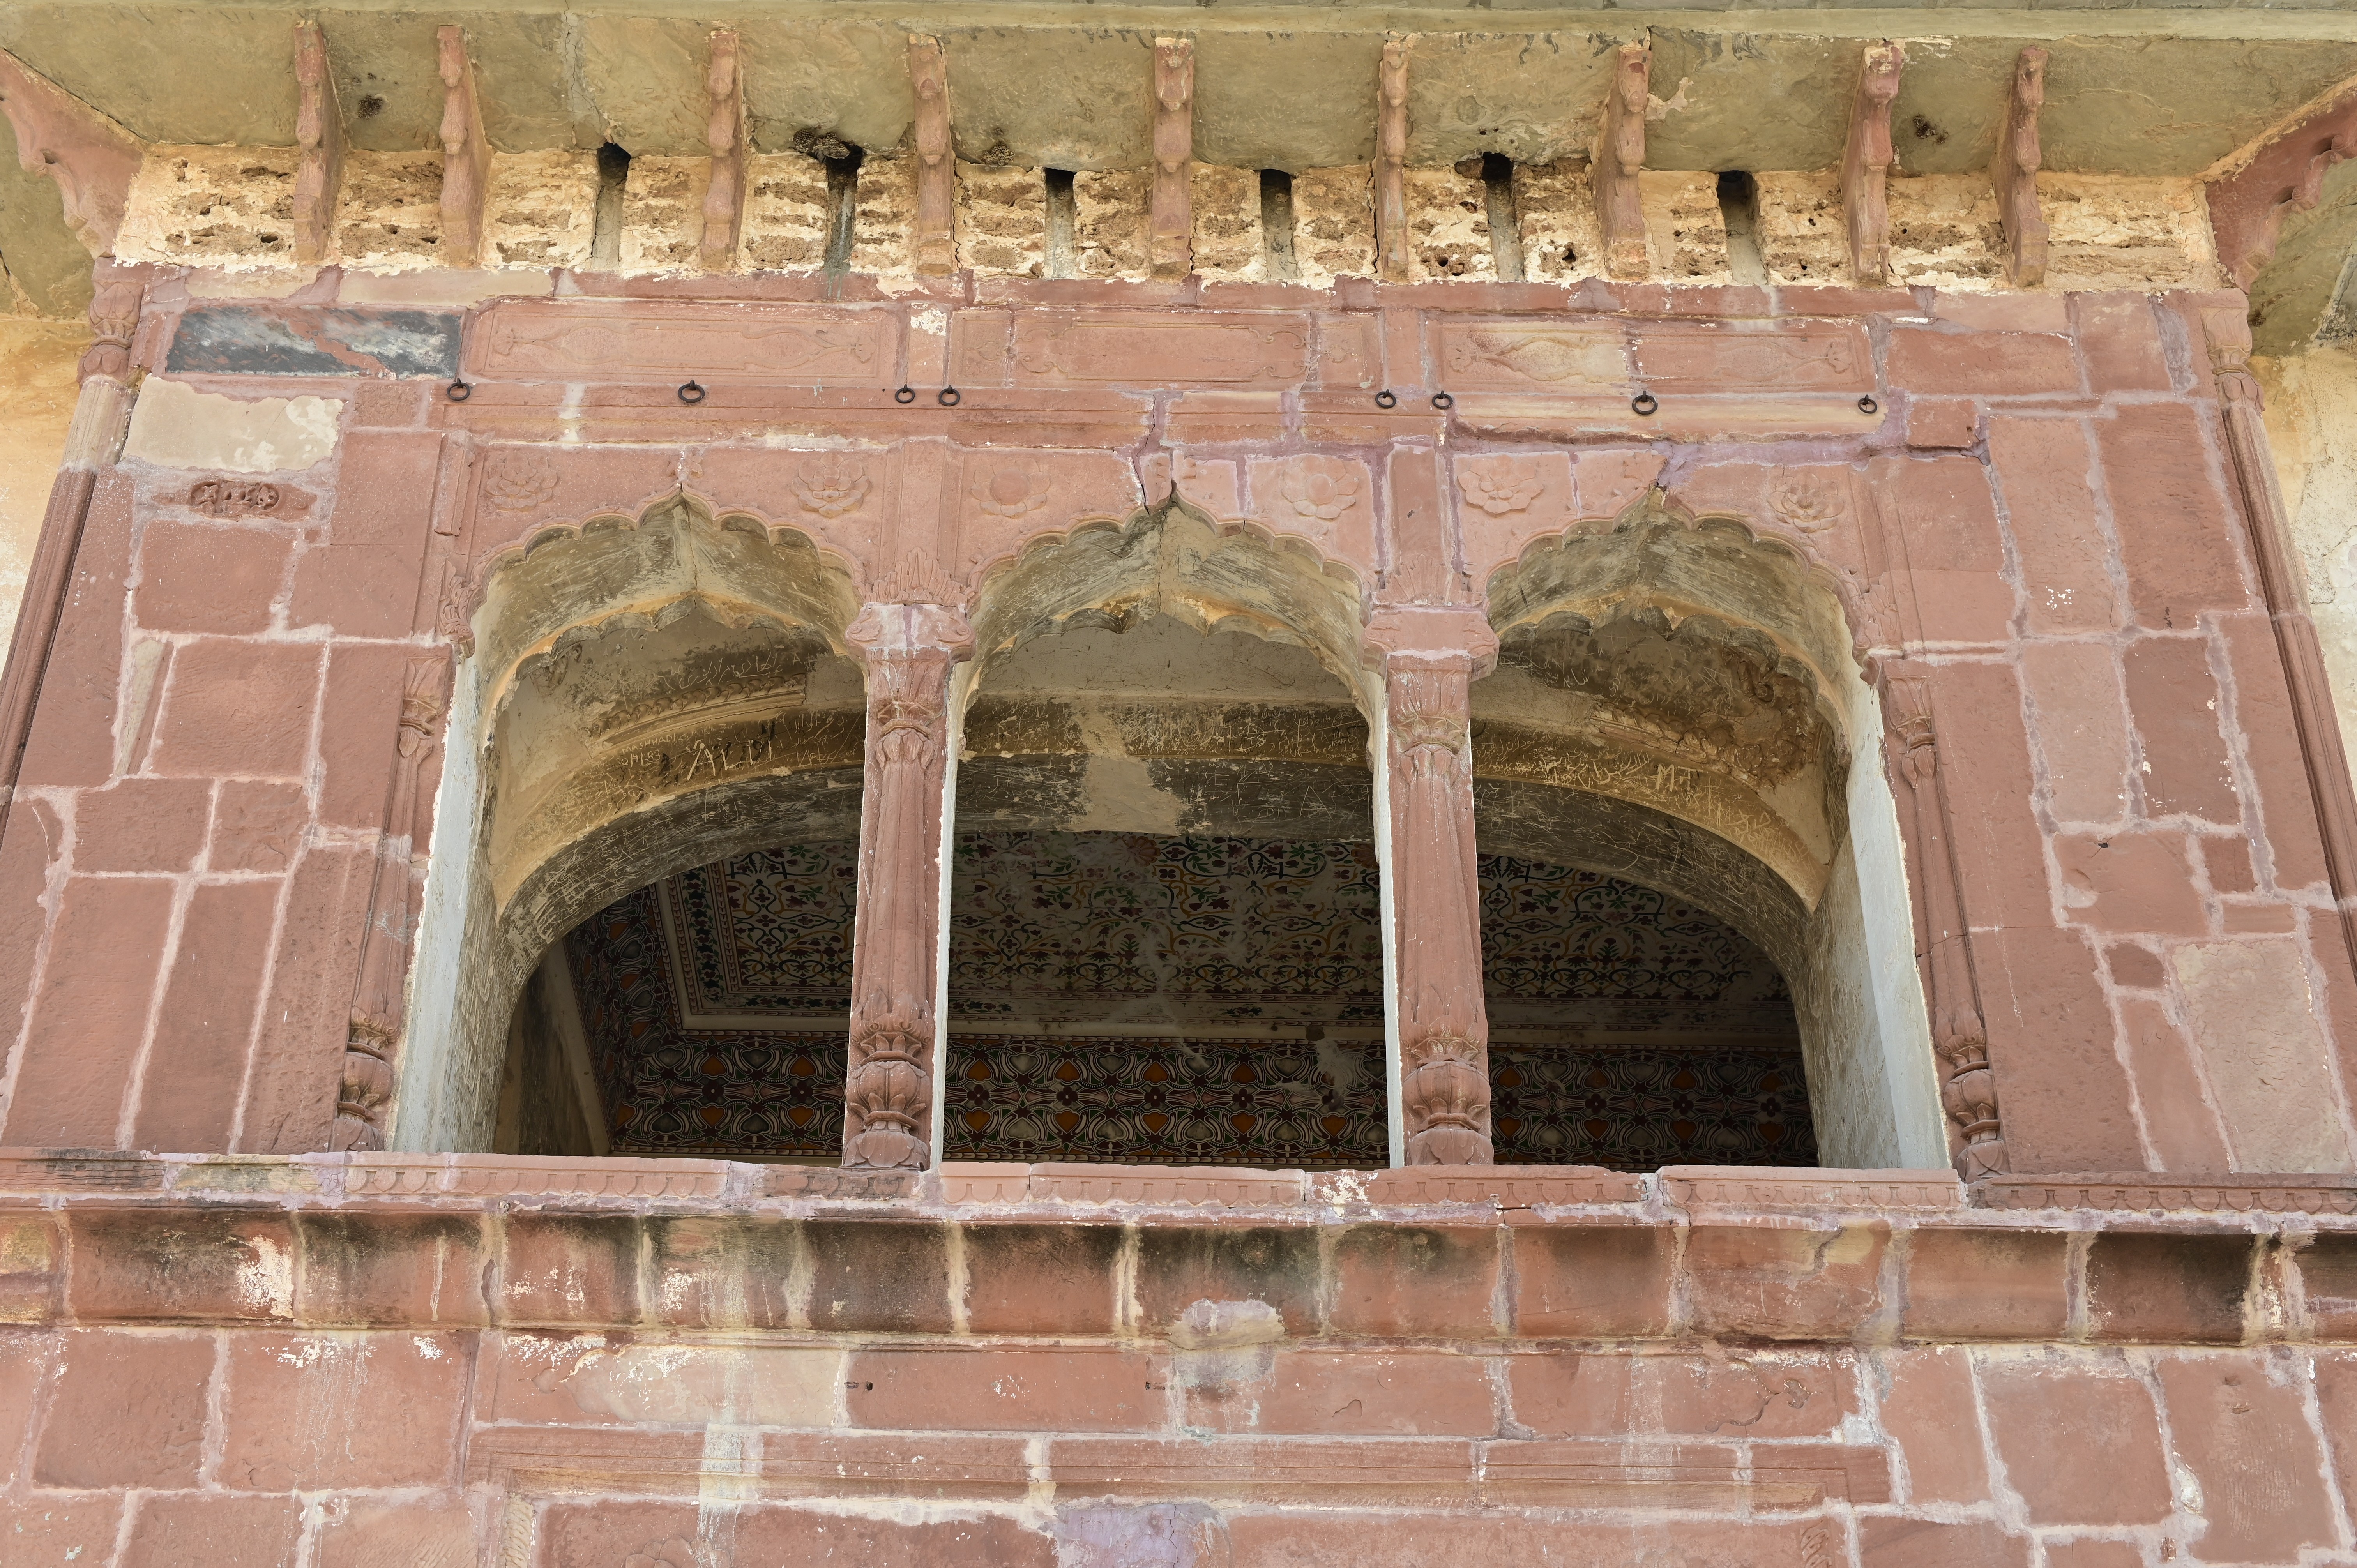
(2172, 93)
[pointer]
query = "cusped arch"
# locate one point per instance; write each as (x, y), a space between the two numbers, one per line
(643, 694)
(1174, 559)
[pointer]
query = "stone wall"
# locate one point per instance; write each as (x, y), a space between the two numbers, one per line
(543, 1365)
(275, 571)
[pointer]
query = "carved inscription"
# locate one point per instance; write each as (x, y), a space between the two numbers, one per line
(596, 340)
(1516, 357)
(233, 498)
(1134, 347)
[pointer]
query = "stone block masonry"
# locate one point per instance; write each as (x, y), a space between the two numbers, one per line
(322, 1358)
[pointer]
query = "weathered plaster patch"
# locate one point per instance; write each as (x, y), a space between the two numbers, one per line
(233, 339)
(1803, 230)
(177, 426)
(1226, 203)
(662, 213)
(1002, 219)
(785, 213)
(1685, 228)
(541, 209)
(231, 208)
(2253, 1018)
(1334, 223)
(1557, 206)
(1109, 213)
(2108, 232)
(389, 218)
(1448, 225)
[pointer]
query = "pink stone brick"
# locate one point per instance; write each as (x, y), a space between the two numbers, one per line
(209, 577)
(238, 709)
(59, 1529)
(1404, 1281)
(369, 1534)
(32, 842)
(1927, 1406)
(2269, 742)
(188, 1098)
(2177, 708)
(1075, 1389)
(1949, 546)
(1936, 423)
(565, 1269)
(182, 1531)
(360, 732)
(1320, 1540)
(1970, 1283)
(1784, 1282)
(90, 1014)
(2177, 535)
(197, 1264)
(72, 737)
(1928, 1543)
(1401, 1394)
(1041, 1278)
(2012, 364)
(805, 1535)
(257, 826)
(2237, 1421)
(2130, 882)
(2081, 728)
(2046, 470)
(2080, 1443)
(2178, 1118)
(141, 824)
(364, 582)
(1985, 752)
(299, 1051)
(324, 1412)
(2119, 336)
(2068, 1106)
(1591, 1281)
(129, 1410)
(25, 1359)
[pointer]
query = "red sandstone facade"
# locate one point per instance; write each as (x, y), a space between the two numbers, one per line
(266, 917)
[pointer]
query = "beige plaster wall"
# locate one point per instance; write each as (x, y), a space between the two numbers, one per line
(37, 368)
(2312, 427)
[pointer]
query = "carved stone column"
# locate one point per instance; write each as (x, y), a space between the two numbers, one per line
(102, 416)
(1429, 659)
(893, 1078)
(1959, 1033)
(380, 989)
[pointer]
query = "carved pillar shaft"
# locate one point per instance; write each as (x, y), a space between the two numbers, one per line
(101, 415)
(380, 990)
(1434, 895)
(1959, 1031)
(893, 1077)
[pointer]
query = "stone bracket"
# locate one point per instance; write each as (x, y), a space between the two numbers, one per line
(1392, 257)
(2015, 173)
(936, 236)
(1620, 157)
(1865, 165)
(724, 132)
(2247, 207)
(92, 158)
(466, 155)
(319, 134)
(1171, 230)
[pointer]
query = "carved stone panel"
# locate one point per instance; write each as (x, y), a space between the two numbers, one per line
(1152, 349)
(644, 341)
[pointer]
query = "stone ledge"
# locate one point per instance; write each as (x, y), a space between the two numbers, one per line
(2146, 1193)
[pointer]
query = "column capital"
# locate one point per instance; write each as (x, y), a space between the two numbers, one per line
(885, 630)
(1430, 637)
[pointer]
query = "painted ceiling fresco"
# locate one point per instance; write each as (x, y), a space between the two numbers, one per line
(1186, 1000)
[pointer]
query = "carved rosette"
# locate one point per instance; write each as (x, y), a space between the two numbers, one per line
(1444, 1028)
(372, 1034)
(1959, 1031)
(909, 650)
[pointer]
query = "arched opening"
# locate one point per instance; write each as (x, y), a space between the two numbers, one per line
(1165, 943)
(646, 699)
(1696, 937)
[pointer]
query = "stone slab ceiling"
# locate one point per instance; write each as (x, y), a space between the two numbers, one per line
(2181, 91)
